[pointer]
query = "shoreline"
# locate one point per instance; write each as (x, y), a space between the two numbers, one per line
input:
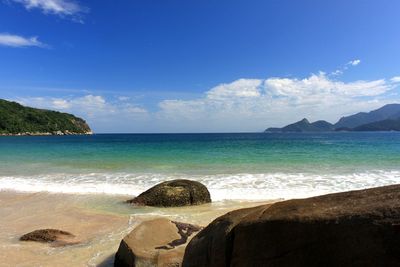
(98, 221)
(57, 133)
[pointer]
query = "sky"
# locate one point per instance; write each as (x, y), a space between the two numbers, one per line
(149, 66)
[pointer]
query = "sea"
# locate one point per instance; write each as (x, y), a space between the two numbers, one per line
(233, 166)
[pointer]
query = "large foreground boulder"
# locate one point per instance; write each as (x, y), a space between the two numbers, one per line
(174, 193)
(357, 228)
(158, 242)
(53, 236)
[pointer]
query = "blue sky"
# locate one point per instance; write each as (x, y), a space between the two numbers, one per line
(200, 66)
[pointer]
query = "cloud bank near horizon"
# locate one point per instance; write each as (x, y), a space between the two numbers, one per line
(241, 105)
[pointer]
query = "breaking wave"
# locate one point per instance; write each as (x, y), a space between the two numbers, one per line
(243, 186)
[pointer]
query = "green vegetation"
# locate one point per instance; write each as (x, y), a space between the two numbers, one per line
(15, 119)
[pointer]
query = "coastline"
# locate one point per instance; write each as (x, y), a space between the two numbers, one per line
(98, 221)
(80, 185)
(57, 133)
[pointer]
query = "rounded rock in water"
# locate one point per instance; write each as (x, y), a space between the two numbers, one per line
(174, 193)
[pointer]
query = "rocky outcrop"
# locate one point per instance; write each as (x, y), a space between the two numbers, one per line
(357, 228)
(174, 193)
(158, 242)
(53, 236)
(212, 245)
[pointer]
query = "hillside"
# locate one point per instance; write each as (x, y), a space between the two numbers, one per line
(17, 119)
(386, 118)
(385, 125)
(391, 111)
(304, 126)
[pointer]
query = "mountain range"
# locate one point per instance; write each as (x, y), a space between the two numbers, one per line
(386, 118)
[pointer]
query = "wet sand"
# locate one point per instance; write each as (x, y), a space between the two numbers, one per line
(99, 222)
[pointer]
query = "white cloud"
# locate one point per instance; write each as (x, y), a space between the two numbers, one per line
(251, 104)
(60, 104)
(242, 105)
(101, 114)
(345, 67)
(337, 72)
(395, 79)
(320, 85)
(57, 7)
(354, 62)
(20, 41)
(86, 103)
(135, 110)
(239, 88)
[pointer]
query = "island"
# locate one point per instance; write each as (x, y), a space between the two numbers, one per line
(16, 120)
(386, 118)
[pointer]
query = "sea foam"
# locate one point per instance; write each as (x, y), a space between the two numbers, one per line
(222, 186)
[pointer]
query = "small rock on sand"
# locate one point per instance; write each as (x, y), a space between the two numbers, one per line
(54, 236)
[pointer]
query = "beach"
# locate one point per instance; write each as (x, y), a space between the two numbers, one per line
(80, 184)
(199, 133)
(99, 222)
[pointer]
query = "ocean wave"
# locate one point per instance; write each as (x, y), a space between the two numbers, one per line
(242, 186)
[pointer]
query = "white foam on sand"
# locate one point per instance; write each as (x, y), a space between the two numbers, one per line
(241, 186)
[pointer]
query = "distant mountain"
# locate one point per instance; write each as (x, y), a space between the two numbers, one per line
(391, 111)
(304, 126)
(386, 118)
(16, 119)
(385, 125)
(324, 125)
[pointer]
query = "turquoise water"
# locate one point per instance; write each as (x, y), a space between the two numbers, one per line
(250, 165)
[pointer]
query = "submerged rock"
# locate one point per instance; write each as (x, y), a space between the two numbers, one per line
(357, 228)
(54, 236)
(158, 242)
(174, 193)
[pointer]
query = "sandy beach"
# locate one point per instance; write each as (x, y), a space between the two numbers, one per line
(99, 222)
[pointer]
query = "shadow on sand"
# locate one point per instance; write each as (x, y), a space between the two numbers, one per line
(108, 262)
